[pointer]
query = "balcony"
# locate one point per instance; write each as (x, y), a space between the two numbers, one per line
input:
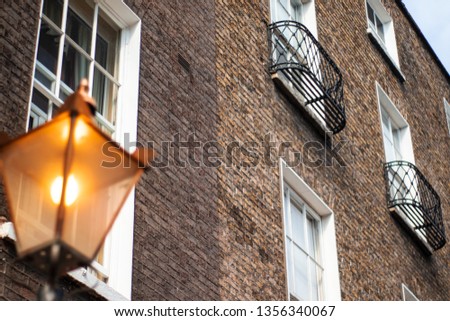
(302, 67)
(412, 198)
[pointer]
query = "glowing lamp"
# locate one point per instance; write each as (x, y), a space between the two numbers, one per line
(66, 182)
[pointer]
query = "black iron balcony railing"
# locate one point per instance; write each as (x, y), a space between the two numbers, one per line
(307, 66)
(409, 191)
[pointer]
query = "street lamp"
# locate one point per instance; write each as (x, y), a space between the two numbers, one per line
(66, 182)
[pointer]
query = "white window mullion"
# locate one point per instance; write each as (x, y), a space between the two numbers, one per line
(61, 48)
(289, 245)
(447, 114)
(93, 48)
(306, 250)
(325, 260)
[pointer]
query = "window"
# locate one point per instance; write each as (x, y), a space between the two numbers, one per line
(407, 294)
(381, 31)
(395, 130)
(77, 40)
(403, 182)
(447, 114)
(292, 47)
(303, 230)
(100, 41)
(311, 257)
(302, 11)
(375, 23)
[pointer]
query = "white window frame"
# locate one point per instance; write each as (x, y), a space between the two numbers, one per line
(308, 18)
(407, 294)
(331, 290)
(447, 114)
(120, 247)
(292, 199)
(386, 105)
(308, 14)
(389, 44)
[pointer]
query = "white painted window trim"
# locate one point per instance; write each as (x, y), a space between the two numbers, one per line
(407, 152)
(389, 45)
(119, 283)
(407, 292)
(447, 114)
(385, 103)
(81, 275)
(308, 18)
(308, 13)
(331, 283)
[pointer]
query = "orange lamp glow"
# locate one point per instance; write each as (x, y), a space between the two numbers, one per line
(66, 182)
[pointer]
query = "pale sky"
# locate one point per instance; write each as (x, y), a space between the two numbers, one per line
(433, 18)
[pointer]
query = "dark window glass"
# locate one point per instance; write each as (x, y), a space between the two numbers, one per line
(48, 47)
(79, 31)
(75, 67)
(53, 10)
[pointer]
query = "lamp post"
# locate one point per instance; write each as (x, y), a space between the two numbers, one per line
(66, 182)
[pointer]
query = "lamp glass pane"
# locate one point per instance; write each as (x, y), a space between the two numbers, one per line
(104, 181)
(31, 164)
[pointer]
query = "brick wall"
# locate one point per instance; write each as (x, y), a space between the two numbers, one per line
(210, 233)
(176, 252)
(375, 254)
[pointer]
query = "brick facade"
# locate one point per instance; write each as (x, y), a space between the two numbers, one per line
(216, 233)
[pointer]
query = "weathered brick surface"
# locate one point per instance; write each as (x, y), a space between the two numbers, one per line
(216, 233)
(18, 28)
(176, 248)
(375, 254)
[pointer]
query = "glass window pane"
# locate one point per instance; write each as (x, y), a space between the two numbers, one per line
(105, 93)
(380, 29)
(55, 110)
(289, 263)
(47, 55)
(287, 222)
(370, 14)
(390, 152)
(311, 229)
(296, 11)
(74, 68)
(40, 101)
(298, 225)
(385, 119)
(65, 92)
(53, 10)
(301, 274)
(46, 79)
(79, 21)
(282, 11)
(36, 119)
(106, 43)
(315, 277)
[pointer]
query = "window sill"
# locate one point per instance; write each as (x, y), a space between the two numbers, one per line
(403, 220)
(296, 98)
(382, 48)
(80, 275)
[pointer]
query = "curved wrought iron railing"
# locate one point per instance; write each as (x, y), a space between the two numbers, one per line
(408, 190)
(297, 54)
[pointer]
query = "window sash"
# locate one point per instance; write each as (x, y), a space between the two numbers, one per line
(447, 114)
(391, 137)
(309, 249)
(52, 84)
(287, 10)
(375, 22)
